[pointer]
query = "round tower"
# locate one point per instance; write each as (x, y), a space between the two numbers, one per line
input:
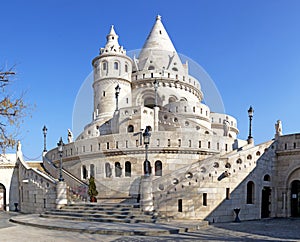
(112, 78)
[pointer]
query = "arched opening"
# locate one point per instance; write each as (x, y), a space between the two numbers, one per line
(151, 68)
(172, 99)
(130, 129)
(118, 169)
(116, 65)
(84, 172)
(92, 170)
(295, 198)
(250, 192)
(149, 102)
(267, 177)
(158, 168)
(147, 167)
(2, 197)
(265, 202)
(127, 169)
(108, 172)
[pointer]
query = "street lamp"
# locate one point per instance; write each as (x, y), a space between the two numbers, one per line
(45, 134)
(146, 136)
(60, 145)
(250, 115)
(117, 88)
(155, 83)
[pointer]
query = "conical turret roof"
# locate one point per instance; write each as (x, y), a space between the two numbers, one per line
(158, 51)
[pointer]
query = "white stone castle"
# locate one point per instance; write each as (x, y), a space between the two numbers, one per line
(152, 140)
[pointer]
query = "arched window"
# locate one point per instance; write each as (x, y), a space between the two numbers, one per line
(149, 102)
(267, 177)
(127, 169)
(250, 192)
(84, 172)
(130, 129)
(104, 66)
(92, 170)
(126, 68)
(151, 68)
(116, 65)
(107, 170)
(158, 168)
(118, 169)
(172, 99)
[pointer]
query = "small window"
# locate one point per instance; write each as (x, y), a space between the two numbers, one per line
(204, 199)
(104, 66)
(103, 93)
(127, 169)
(130, 129)
(199, 144)
(227, 193)
(116, 65)
(117, 144)
(126, 68)
(151, 68)
(158, 168)
(169, 142)
(267, 178)
(157, 142)
(179, 142)
(226, 147)
(180, 205)
(190, 143)
(194, 109)
(107, 145)
(250, 192)
(208, 145)
(92, 170)
(118, 169)
(84, 172)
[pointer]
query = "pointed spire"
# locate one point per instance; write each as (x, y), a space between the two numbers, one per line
(112, 43)
(159, 38)
(159, 52)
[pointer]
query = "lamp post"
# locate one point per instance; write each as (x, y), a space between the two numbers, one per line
(117, 88)
(250, 115)
(45, 134)
(155, 83)
(146, 136)
(60, 145)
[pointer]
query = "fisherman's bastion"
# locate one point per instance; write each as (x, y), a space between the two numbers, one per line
(154, 143)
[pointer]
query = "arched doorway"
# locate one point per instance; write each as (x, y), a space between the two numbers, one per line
(2, 197)
(295, 198)
(265, 202)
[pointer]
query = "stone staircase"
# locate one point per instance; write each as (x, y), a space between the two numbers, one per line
(106, 212)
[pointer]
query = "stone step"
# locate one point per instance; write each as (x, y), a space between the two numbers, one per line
(99, 219)
(100, 215)
(108, 212)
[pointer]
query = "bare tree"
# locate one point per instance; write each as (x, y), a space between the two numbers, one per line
(12, 111)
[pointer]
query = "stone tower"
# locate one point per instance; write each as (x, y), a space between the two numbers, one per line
(112, 68)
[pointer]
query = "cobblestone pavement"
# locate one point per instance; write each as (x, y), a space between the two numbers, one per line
(262, 230)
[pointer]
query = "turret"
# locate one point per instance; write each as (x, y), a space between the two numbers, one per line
(112, 68)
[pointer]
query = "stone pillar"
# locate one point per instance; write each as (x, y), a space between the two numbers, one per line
(156, 110)
(61, 194)
(146, 201)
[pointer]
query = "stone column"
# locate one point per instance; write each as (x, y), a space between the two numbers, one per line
(156, 110)
(61, 194)
(146, 201)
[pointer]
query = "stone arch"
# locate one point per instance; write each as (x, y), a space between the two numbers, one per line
(172, 99)
(250, 192)
(2, 197)
(108, 172)
(127, 169)
(118, 169)
(84, 172)
(158, 168)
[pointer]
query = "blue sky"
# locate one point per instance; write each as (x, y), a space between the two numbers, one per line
(251, 49)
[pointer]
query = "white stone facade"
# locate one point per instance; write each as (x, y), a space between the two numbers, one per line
(199, 168)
